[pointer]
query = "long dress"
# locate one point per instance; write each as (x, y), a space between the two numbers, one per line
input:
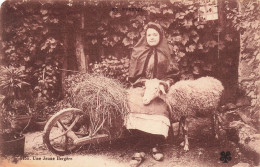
(152, 118)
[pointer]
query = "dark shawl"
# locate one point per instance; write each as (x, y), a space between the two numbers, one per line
(142, 52)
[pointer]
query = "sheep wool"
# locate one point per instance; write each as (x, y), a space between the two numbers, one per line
(191, 97)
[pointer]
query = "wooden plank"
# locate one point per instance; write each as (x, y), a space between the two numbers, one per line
(94, 139)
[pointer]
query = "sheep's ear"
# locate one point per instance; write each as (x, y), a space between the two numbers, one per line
(162, 89)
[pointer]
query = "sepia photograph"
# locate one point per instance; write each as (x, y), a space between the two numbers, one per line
(129, 83)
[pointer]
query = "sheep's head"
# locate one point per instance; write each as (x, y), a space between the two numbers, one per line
(154, 88)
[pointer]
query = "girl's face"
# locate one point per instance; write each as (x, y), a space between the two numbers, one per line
(152, 37)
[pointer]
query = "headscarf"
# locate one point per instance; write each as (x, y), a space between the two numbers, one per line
(142, 52)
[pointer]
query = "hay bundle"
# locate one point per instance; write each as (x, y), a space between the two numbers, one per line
(103, 99)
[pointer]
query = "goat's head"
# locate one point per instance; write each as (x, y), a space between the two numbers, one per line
(153, 89)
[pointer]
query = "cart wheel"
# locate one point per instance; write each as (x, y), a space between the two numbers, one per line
(55, 136)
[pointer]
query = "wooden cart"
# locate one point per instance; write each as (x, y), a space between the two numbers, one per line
(63, 134)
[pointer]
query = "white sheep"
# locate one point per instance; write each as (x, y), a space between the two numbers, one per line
(187, 98)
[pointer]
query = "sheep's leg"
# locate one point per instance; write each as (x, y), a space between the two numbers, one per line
(171, 134)
(171, 129)
(179, 129)
(215, 125)
(185, 134)
(180, 125)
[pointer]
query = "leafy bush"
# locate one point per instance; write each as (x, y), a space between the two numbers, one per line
(35, 36)
(9, 115)
(13, 84)
(194, 43)
(19, 107)
(112, 67)
(247, 22)
(5, 124)
(40, 108)
(47, 81)
(29, 40)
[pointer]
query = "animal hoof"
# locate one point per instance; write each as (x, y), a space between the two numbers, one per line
(186, 148)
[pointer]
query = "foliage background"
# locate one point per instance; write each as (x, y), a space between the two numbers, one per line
(41, 37)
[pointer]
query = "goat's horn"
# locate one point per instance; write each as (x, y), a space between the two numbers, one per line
(140, 80)
(165, 84)
(174, 74)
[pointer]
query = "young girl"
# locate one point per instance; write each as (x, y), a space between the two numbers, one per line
(150, 58)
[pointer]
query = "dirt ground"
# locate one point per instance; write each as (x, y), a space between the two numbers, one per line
(204, 151)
